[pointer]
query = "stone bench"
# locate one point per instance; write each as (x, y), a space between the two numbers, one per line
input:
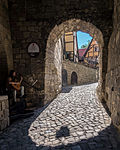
(4, 112)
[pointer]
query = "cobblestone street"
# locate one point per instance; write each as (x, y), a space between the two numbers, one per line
(75, 120)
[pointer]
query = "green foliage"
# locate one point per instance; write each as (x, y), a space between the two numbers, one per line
(86, 45)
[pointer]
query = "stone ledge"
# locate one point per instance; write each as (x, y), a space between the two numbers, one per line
(4, 112)
(3, 98)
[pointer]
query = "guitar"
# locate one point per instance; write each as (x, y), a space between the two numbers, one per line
(16, 86)
(25, 81)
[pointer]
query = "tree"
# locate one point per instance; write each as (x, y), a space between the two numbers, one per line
(88, 42)
(86, 45)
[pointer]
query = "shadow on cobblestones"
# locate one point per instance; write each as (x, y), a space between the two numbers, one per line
(106, 140)
(73, 121)
(13, 139)
(66, 90)
(63, 132)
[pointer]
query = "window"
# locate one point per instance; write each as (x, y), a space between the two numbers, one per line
(96, 49)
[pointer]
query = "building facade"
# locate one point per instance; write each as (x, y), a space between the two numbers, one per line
(92, 54)
(70, 48)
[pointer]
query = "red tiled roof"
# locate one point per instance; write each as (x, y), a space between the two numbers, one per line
(81, 52)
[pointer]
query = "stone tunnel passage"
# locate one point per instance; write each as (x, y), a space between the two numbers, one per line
(53, 62)
(75, 120)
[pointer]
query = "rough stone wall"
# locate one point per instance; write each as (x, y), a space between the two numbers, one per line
(112, 95)
(32, 68)
(58, 64)
(53, 72)
(85, 74)
(35, 20)
(6, 58)
(4, 112)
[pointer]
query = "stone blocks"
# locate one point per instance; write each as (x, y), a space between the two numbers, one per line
(45, 26)
(84, 74)
(4, 112)
(112, 84)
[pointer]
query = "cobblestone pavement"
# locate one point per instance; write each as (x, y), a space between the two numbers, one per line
(75, 120)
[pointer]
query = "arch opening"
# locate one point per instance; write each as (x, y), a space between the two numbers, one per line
(64, 77)
(54, 55)
(74, 78)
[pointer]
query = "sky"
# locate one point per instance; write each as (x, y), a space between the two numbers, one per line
(82, 38)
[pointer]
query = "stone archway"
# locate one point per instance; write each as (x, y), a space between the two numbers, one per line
(74, 78)
(52, 83)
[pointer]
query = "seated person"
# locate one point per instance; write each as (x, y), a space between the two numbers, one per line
(14, 83)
